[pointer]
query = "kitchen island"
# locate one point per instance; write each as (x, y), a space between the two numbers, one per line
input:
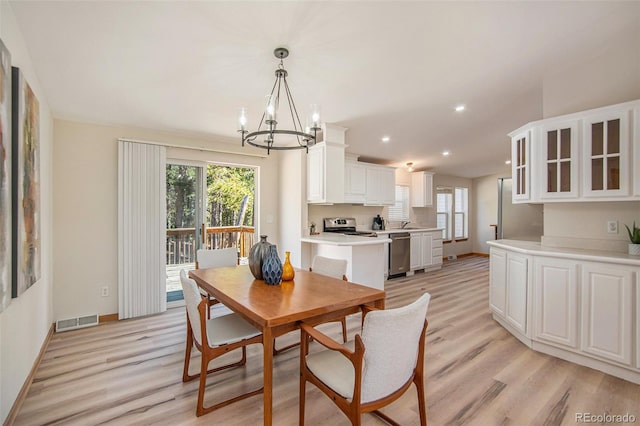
(364, 255)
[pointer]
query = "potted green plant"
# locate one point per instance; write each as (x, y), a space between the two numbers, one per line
(634, 238)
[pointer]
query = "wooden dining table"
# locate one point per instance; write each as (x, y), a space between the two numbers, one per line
(278, 309)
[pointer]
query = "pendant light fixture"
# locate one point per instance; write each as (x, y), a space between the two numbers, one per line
(298, 137)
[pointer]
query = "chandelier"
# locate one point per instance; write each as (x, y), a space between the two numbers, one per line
(296, 138)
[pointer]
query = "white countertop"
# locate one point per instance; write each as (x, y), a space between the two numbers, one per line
(535, 248)
(343, 240)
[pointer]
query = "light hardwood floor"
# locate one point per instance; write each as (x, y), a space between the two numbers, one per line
(129, 372)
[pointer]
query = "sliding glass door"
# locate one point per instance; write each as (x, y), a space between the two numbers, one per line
(208, 206)
(184, 214)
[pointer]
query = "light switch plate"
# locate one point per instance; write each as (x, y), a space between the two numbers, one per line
(612, 227)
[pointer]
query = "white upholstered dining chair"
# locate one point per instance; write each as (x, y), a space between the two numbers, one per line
(375, 368)
(216, 258)
(213, 338)
(335, 268)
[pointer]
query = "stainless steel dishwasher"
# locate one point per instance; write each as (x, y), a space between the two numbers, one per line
(399, 250)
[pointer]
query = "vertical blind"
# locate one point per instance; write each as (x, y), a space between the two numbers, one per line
(141, 229)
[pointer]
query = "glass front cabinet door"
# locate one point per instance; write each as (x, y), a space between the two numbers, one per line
(521, 165)
(606, 156)
(559, 160)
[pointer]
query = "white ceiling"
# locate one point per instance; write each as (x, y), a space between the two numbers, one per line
(378, 68)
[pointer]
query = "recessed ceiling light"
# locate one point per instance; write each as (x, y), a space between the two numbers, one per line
(507, 162)
(446, 153)
(386, 139)
(460, 108)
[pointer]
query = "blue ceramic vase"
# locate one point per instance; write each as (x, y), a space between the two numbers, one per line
(272, 267)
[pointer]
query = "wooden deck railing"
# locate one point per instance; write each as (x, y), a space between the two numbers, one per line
(181, 241)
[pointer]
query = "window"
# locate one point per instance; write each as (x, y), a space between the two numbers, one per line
(461, 213)
(399, 212)
(444, 203)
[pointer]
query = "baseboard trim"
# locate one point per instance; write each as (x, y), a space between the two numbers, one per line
(22, 395)
(479, 254)
(108, 317)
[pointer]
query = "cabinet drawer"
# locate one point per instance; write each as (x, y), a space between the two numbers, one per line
(436, 252)
(436, 243)
(437, 260)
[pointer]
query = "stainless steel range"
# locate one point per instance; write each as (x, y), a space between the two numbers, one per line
(344, 225)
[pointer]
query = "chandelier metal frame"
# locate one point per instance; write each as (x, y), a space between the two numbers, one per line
(305, 137)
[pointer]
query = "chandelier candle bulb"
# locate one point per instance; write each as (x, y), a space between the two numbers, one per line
(242, 120)
(315, 116)
(270, 109)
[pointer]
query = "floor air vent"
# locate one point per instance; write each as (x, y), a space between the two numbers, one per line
(79, 322)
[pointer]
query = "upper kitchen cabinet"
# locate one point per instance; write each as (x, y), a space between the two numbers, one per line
(606, 157)
(325, 167)
(381, 185)
(559, 154)
(422, 189)
(587, 156)
(355, 181)
(521, 164)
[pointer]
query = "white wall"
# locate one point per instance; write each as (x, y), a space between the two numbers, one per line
(609, 75)
(292, 219)
(86, 206)
(25, 323)
(584, 225)
(485, 206)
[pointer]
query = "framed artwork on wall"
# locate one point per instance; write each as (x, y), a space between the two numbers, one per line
(5, 177)
(26, 247)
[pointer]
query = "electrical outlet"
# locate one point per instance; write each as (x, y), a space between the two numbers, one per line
(104, 291)
(612, 227)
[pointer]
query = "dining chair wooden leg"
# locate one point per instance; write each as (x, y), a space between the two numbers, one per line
(421, 400)
(304, 350)
(187, 355)
(203, 384)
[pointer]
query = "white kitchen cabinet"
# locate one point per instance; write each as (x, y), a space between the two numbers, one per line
(559, 159)
(422, 189)
(521, 164)
(436, 248)
(498, 281)
(586, 156)
(381, 185)
(355, 182)
(607, 311)
(635, 136)
(415, 255)
(637, 311)
(581, 306)
(427, 249)
(517, 286)
(325, 169)
(606, 153)
(555, 307)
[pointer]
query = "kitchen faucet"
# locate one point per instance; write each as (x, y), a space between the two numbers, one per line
(404, 223)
